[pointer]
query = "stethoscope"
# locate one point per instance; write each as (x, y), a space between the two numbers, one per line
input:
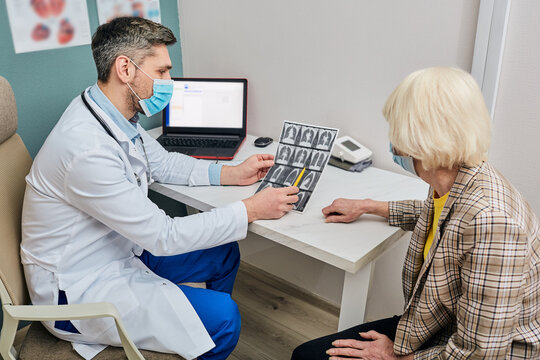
(108, 130)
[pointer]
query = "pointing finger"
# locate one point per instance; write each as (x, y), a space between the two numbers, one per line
(290, 190)
(292, 199)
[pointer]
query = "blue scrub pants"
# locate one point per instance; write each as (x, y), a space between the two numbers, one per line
(218, 312)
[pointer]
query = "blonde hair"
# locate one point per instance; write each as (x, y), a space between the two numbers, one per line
(438, 115)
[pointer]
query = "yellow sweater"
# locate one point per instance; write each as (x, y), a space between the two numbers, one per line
(438, 204)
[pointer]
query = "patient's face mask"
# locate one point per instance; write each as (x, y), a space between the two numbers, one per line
(406, 162)
(162, 93)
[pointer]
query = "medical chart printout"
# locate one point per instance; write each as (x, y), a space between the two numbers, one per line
(302, 148)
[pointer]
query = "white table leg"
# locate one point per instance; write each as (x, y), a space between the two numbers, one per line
(355, 294)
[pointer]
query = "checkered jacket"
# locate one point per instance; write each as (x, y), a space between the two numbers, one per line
(477, 294)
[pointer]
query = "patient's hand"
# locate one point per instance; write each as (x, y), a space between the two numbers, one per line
(377, 347)
(348, 210)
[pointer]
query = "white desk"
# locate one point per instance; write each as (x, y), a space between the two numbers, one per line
(350, 247)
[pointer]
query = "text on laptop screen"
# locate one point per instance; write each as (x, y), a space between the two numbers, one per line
(206, 104)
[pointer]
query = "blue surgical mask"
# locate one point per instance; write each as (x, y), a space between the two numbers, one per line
(163, 90)
(406, 162)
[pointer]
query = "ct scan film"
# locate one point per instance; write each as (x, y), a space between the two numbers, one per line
(302, 154)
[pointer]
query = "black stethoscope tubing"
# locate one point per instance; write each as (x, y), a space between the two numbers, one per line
(108, 130)
(98, 118)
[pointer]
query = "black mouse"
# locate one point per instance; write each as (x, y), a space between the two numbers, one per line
(262, 141)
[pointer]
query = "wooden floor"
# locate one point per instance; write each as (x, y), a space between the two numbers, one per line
(276, 316)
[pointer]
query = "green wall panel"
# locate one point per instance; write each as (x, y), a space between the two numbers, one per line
(45, 82)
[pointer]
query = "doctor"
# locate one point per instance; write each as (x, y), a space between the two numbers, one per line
(91, 234)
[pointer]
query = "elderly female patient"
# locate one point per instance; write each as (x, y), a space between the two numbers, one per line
(471, 277)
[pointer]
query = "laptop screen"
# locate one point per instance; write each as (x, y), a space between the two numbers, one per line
(207, 106)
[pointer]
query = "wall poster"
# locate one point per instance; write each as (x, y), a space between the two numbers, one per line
(110, 9)
(48, 24)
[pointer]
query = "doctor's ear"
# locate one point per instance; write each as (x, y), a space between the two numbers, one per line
(124, 69)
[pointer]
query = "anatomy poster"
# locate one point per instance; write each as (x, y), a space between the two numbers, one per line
(48, 24)
(110, 9)
(302, 154)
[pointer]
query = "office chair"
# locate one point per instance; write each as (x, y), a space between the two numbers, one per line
(15, 164)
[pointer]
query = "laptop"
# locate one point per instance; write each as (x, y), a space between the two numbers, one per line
(206, 118)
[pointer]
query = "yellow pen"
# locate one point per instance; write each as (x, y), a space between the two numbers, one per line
(299, 177)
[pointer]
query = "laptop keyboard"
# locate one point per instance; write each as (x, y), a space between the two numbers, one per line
(199, 142)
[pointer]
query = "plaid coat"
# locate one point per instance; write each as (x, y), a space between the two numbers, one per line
(477, 294)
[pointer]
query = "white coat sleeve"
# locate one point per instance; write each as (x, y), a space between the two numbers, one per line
(174, 168)
(98, 184)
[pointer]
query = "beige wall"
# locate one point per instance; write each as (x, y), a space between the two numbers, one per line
(324, 61)
(329, 62)
(515, 149)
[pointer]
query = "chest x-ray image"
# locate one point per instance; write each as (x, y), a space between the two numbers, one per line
(309, 180)
(300, 157)
(290, 133)
(325, 140)
(302, 147)
(303, 197)
(307, 137)
(284, 154)
(317, 160)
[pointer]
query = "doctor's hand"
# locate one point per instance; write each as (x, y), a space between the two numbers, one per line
(248, 172)
(348, 210)
(271, 203)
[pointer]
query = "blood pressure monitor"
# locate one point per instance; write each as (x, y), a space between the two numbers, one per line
(348, 149)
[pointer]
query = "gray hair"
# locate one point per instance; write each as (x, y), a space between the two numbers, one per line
(133, 37)
(438, 115)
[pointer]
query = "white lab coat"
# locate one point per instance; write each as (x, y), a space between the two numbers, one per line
(85, 219)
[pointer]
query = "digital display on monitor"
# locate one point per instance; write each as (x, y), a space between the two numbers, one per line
(350, 145)
(206, 104)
